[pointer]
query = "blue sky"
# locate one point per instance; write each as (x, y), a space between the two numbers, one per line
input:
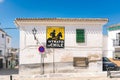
(11, 9)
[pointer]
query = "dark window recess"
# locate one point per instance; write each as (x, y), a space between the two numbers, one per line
(9, 62)
(3, 35)
(1, 63)
(8, 40)
(116, 42)
(0, 52)
(80, 35)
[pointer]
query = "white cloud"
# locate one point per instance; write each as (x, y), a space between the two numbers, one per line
(1, 1)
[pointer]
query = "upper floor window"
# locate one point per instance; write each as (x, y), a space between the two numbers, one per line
(118, 36)
(8, 40)
(3, 35)
(0, 52)
(80, 35)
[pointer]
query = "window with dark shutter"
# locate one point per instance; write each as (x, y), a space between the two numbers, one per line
(0, 52)
(2, 35)
(80, 35)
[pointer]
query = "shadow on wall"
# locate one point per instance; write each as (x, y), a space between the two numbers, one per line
(95, 57)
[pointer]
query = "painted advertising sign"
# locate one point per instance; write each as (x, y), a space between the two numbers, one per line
(55, 37)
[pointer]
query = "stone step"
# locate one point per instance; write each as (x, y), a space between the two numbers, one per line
(115, 74)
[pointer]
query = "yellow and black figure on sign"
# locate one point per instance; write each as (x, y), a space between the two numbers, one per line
(55, 37)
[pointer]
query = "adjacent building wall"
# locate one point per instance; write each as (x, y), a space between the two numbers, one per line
(112, 36)
(4, 46)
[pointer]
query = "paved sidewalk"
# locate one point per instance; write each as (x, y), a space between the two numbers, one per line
(55, 76)
(63, 76)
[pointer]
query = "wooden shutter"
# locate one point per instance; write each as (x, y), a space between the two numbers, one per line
(80, 35)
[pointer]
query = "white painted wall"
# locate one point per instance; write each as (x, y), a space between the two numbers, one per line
(4, 45)
(105, 45)
(2, 42)
(8, 44)
(93, 45)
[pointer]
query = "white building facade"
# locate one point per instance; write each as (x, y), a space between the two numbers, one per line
(5, 46)
(105, 45)
(114, 41)
(83, 38)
